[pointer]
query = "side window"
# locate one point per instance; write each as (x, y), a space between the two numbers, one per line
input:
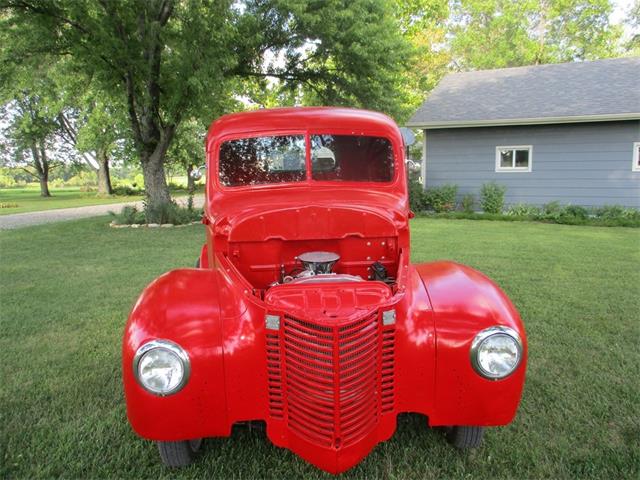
(514, 158)
(636, 157)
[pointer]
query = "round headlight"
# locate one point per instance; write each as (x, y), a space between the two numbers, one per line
(496, 352)
(161, 367)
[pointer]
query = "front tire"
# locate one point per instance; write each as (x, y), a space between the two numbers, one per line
(464, 437)
(179, 454)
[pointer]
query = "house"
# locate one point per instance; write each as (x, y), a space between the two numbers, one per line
(567, 132)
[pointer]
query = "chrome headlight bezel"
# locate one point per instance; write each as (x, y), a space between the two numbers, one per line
(174, 349)
(485, 334)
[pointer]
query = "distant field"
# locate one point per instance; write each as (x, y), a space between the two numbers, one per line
(66, 290)
(28, 199)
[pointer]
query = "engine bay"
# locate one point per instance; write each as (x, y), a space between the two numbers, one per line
(317, 267)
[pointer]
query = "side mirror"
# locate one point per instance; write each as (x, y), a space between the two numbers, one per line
(413, 166)
(196, 173)
(408, 136)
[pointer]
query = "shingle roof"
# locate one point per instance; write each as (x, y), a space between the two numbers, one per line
(557, 93)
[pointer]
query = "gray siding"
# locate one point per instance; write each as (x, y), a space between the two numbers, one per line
(582, 164)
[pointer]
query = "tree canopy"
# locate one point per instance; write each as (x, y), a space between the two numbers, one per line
(135, 71)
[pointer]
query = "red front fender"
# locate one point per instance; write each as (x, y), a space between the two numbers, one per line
(464, 302)
(182, 306)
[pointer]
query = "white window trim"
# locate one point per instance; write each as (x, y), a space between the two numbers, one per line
(526, 169)
(635, 166)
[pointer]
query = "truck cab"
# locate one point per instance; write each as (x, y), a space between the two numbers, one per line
(304, 311)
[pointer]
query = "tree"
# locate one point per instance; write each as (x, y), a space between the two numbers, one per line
(503, 33)
(170, 60)
(632, 45)
(424, 24)
(30, 108)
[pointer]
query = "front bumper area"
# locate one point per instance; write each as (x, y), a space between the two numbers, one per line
(328, 390)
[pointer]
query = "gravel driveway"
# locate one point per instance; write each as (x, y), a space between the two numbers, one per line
(19, 220)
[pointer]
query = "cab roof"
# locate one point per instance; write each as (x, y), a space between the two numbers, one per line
(301, 118)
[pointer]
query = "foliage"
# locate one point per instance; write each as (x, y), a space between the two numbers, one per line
(503, 33)
(129, 215)
(468, 202)
(171, 61)
(424, 24)
(553, 212)
(7, 181)
(417, 196)
(523, 210)
(492, 197)
(170, 213)
(442, 198)
(576, 289)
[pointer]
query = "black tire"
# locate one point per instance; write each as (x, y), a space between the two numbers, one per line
(463, 437)
(198, 263)
(179, 454)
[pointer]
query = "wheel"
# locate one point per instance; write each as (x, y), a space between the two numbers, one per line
(198, 263)
(464, 437)
(179, 454)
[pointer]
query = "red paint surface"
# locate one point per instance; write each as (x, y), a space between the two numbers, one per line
(331, 381)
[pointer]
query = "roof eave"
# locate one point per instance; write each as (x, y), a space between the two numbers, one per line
(525, 121)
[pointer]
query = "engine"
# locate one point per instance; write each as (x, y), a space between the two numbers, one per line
(317, 267)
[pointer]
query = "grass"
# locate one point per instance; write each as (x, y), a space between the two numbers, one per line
(28, 199)
(62, 316)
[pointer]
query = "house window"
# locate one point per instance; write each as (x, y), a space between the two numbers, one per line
(636, 157)
(514, 158)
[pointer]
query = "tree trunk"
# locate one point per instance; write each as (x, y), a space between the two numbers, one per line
(44, 184)
(191, 183)
(41, 164)
(104, 178)
(155, 181)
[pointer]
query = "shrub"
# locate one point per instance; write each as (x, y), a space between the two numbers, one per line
(524, 210)
(172, 213)
(7, 181)
(492, 197)
(575, 211)
(442, 199)
(417, 200)
(128, 216)
(467, 203)
(83, 178)
(138, 181)
(609, 211)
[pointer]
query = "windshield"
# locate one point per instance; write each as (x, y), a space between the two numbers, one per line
(250, 161)
(281, 159)
(351, 158)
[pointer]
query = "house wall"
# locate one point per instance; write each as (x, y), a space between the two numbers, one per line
(586, 164)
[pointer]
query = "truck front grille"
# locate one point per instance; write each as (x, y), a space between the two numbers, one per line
(332, 382)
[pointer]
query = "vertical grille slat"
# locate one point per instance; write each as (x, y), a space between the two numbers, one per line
(331, 383)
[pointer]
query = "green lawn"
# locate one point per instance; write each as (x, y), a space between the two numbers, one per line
(66, 289)
(28, 199)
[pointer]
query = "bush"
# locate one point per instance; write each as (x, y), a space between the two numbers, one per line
(172, 213)
(83, 178)
(7, 181)
(128, 216)
(610, 211)
(575, 211)
(492, 197)
(442, 199)
(417, 200)
(524, 210)
(467, 203)
(138, 181)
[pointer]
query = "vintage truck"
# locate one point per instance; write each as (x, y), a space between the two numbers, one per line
(304, 311)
